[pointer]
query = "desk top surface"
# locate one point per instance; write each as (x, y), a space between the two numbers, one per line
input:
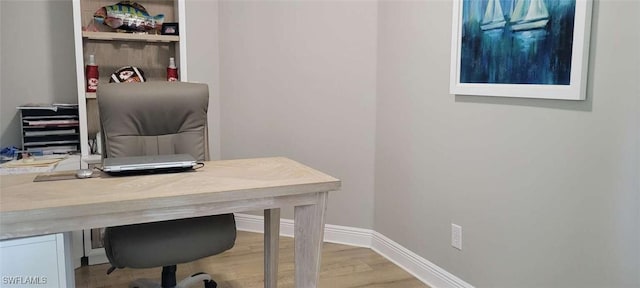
(228, 179)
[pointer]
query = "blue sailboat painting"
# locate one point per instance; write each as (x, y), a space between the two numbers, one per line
(533, 16)
(493, 16)
(517, 41)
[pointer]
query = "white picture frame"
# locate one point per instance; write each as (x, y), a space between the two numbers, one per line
(575, 89)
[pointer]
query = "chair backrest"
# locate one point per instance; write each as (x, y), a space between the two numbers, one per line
(154, 118)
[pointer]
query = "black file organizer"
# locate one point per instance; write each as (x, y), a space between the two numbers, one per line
(50, 130)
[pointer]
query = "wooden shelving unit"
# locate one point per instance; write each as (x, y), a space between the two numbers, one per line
(113, 50)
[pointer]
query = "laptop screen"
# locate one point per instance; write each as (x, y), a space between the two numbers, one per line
(148, 163)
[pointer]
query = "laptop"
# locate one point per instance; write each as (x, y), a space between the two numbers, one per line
(151, 163)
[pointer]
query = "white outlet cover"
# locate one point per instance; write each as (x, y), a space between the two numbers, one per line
(456, 236)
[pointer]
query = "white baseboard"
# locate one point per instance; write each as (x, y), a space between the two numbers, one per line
(417, 266)
(332, 233)
(421, 268)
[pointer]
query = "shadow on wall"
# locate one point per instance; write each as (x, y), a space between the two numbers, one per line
(577, 105)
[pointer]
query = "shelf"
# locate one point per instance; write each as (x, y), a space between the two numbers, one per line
(58, 142)
(45, 133)
(50, 117)
(110, 36)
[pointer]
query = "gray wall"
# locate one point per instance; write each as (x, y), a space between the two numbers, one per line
(298, 80)
(546, 191)
(37, 63)
(203, 61)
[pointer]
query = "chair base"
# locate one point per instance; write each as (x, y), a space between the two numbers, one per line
(191, 281)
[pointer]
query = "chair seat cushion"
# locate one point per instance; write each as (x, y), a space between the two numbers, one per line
(169, 242)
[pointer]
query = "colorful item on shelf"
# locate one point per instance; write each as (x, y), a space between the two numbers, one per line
(172, 70)
(92, 74)
(170, 29)
(8, 153)
(128, 15)
(127, 74)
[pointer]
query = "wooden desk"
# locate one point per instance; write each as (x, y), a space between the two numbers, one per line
(33, 208)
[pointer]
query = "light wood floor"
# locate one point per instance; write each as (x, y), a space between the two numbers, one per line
(242, 266)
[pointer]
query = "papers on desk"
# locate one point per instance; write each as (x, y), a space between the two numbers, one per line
(24, 170)
(32, 165)
(32, 162)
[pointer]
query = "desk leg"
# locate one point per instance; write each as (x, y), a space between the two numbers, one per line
(271, 246)
(309, 232)
(70, 271)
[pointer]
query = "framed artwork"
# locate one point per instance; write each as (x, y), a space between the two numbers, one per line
(521, 48)
(170, 29)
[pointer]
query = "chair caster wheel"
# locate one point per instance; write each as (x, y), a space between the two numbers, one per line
(210, 284)
(197, 279)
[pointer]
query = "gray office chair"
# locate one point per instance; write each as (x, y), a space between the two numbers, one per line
(155, 118)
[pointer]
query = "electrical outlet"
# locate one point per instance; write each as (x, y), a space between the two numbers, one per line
(456, 236)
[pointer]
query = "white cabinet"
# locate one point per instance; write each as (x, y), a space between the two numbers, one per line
(114, 50)
(40, 261)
